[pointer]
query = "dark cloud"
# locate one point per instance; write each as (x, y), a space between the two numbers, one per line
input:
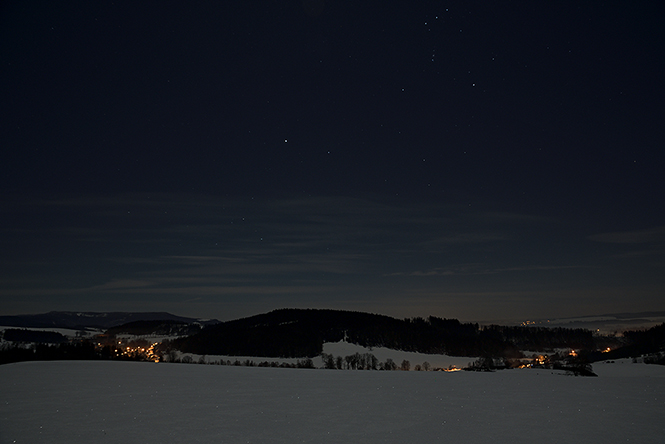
(649, 236)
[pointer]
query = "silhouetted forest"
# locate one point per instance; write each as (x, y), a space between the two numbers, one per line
(637, 343)
(297, 333)
(23, 335)
(300, 333)
(83, 350)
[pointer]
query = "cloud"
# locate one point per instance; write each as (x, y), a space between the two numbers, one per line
(470, 238)
(652, 235)
(542, 268)
(462, 270)
(481, 269)
(130, 246)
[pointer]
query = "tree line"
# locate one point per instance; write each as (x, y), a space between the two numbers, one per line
(293, 333)
(80, 350)
(367, 361)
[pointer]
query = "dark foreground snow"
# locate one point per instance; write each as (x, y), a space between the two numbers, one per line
(124, 402)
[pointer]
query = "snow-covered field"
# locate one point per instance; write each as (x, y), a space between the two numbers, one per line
(343, 349)
(137, 402)
(67, 332)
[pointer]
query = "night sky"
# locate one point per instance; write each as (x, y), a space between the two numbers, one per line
(471, 160)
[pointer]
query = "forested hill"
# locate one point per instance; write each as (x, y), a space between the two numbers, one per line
(301, 333)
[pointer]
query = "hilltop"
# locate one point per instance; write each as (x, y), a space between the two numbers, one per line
(302, 332)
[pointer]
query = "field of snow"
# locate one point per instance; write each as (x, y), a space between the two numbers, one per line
(137, 402)
(436, 361)
(68, 332)
(343, 349)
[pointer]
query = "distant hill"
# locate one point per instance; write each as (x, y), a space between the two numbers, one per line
(298, 333)
(83, 320)
(301, 333)
(603, 323)
(638, 343)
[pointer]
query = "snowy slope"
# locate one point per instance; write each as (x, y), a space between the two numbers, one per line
(346, 349)
(436, 361)
(127, 402)
(67, 332)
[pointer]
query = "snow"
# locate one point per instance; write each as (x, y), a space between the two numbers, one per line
(67, 332)
(130, 402)
(346, 349)
(149, 338)
(436, 361)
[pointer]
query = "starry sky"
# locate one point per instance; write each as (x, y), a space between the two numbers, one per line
(479, 161)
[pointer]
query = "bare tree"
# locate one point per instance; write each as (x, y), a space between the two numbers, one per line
(328, 361)
(171, 355)
(372, 362)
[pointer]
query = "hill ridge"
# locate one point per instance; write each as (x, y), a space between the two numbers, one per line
(84, 320)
